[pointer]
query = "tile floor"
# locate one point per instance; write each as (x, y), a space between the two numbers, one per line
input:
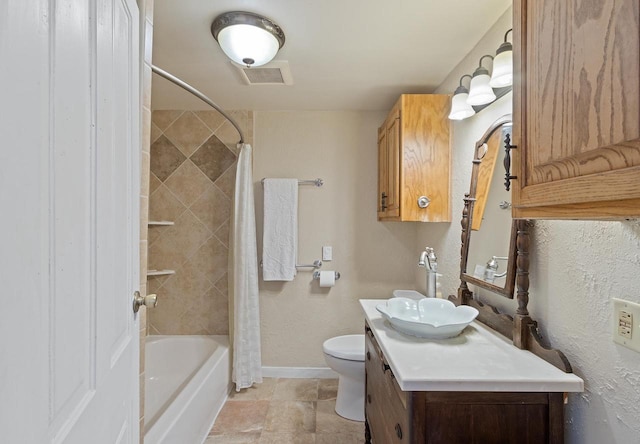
(285, 411)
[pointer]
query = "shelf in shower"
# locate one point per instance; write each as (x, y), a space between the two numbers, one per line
(160, 272)
(153, 223)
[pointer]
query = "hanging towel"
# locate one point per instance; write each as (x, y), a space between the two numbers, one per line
(280, 238)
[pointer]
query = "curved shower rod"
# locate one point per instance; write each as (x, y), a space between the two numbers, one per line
(198, 94)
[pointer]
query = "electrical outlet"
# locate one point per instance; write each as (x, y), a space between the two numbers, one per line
(626, 324)
(327, 253)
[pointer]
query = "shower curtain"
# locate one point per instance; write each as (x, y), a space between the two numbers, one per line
(243, 279)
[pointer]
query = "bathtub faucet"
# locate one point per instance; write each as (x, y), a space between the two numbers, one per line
(429, 261)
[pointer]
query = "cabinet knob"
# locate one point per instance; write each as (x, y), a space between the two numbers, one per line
(368, 356)
(369, 399)
(385, 367)
(398, 431)
(368, 332)
(423, 201)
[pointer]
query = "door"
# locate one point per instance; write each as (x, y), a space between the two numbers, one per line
(69, 193)
(394, 170)
(576, 109)
(383, 171)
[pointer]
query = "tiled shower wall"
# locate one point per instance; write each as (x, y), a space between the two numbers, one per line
(193, 163)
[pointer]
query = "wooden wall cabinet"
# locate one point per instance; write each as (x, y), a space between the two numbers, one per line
(414, 158)
(394, 416)
(576, 109)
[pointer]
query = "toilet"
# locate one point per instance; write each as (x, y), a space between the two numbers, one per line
(345, 355)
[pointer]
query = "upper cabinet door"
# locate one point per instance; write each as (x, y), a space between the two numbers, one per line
(576, 109)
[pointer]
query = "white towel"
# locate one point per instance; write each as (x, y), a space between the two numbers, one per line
(280, 238)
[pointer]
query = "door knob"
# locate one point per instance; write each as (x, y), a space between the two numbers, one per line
(150, 301)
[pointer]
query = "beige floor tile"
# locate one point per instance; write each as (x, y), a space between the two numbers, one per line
(234, 438)
(287, 438)
(339, 438)
(327, 389)
(328, 421)
(291, 389)
(263, 391)
(241, 416)
(291, 416)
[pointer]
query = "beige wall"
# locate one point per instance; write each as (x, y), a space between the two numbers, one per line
(193, 164)
(576, 268)
(373, 257)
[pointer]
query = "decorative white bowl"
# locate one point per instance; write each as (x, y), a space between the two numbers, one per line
(409, 294)
(427, 318)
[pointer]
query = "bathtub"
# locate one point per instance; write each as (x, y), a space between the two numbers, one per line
(187, 380)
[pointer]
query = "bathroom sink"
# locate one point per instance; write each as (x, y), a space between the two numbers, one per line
(409, 294)
(427, 318)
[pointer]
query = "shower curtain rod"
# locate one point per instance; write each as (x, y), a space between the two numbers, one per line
(198, 94)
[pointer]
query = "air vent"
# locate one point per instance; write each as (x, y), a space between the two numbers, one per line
(276, 72)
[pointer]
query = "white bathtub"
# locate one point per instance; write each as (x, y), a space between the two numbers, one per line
(187, 380)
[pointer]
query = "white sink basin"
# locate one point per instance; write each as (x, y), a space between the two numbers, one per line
(409, 294)
(427, 318)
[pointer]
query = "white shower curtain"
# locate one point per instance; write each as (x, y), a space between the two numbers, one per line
(243, 279)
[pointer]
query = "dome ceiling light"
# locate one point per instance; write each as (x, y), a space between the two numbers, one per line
(246, 38)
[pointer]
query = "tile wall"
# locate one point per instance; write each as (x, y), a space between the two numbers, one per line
(192, 179)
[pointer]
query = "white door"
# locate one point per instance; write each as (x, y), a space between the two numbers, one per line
(69, 230)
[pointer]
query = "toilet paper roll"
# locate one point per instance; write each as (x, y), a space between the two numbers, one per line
(327, 278)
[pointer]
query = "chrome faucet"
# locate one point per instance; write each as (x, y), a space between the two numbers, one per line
(429, 261)
(491, 269)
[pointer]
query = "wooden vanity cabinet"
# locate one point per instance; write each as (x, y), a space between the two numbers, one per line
(395, 416)
(414, 157)
(576, 109)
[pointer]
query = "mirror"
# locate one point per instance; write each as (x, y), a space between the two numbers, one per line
(489, 245)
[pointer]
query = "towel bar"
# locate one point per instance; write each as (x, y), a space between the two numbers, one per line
(317, 182)
(316, 264)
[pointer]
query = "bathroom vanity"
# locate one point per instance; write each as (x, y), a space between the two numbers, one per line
(476, 387)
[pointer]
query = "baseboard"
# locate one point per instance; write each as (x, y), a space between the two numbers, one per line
(298, 372)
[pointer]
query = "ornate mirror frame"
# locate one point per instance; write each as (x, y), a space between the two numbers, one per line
(467, 216)
(520, 328)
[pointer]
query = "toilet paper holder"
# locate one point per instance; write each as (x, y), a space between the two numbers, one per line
(316, 275)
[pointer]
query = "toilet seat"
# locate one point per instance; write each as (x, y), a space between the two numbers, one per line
(349, 347)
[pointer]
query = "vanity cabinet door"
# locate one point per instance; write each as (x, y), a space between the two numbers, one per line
(386, 414)
(576, 109)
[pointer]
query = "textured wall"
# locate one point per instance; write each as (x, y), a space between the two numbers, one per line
(373, 257)
(576, 268)
(193, 159)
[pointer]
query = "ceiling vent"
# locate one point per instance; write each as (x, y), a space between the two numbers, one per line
(276, 72)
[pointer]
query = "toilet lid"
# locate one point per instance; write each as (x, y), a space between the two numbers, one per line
(350, 347)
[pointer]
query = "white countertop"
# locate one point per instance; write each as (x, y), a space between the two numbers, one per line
(477, 360)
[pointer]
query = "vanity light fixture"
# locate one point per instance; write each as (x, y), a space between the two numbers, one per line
(246, 38)
(480, 93)
(502, 74)
(460, 109)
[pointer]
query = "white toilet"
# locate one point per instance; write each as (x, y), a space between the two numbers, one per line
(345, 355)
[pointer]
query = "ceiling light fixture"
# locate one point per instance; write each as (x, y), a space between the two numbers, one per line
(460, 109)
(246, 38)
(502, 74)
(480, 93)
